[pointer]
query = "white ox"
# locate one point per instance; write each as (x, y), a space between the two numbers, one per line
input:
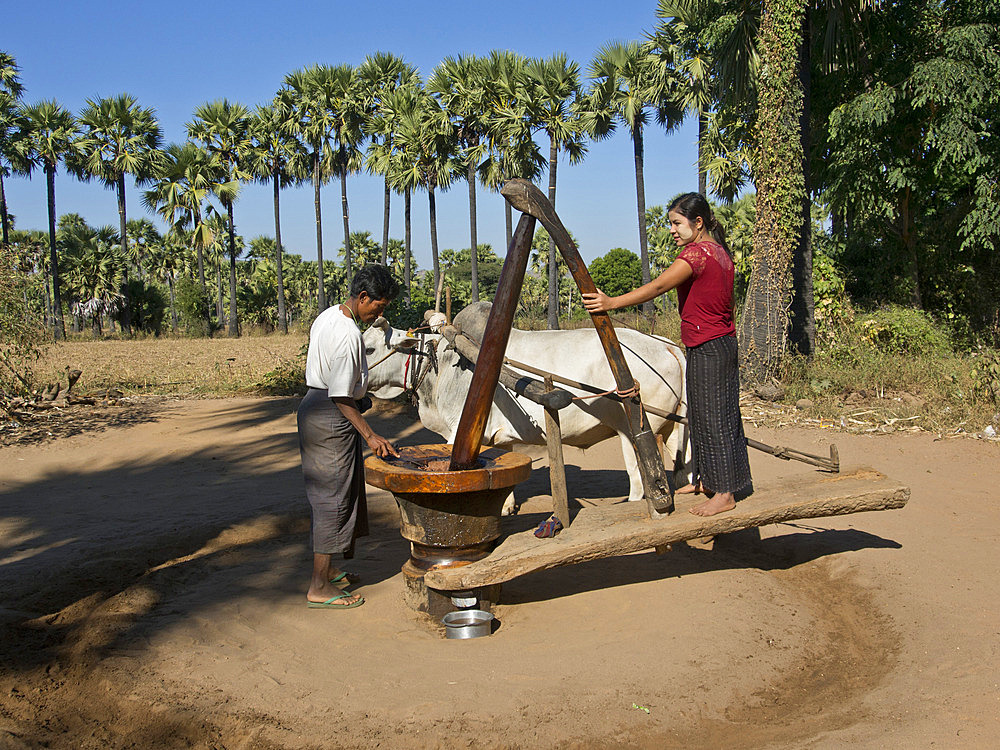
(657, 363)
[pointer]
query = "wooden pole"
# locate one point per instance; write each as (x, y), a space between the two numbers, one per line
(472, 424)
(528, 199)
(557, 465)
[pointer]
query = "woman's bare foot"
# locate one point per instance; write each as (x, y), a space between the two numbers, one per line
(691, 489)
(718, 503)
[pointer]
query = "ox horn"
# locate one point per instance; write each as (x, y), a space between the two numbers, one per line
(382, 323)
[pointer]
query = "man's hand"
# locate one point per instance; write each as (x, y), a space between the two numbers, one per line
(381, 447)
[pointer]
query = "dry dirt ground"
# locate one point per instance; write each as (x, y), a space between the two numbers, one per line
(153, 577)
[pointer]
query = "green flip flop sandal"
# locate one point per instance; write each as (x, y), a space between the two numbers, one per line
(329, 603)
(345, 578)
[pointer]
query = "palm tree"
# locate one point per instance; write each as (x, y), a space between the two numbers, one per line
(185, 182)
(426, 157)
(216, 229)
(512, 150)
(52, 137)
(305, 105)
(380, 74)
(551, 99)
(459, 84)
(223, 129)
(626, 87)
(93, 270)
(685, 55)
(275, 156)
(13, 132)
(347, 109)
(168, 257)
(119, 138)
(142, 239)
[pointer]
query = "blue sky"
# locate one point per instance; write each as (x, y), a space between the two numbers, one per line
(175, 57)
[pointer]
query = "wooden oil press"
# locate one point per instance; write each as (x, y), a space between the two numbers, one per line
(450, 497)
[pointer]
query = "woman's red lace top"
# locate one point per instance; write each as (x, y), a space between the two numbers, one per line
(706, 299)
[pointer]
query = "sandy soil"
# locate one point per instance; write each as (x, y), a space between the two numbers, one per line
(153, 580)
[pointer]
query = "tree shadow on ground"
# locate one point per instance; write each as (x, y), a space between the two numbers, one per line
(113, 544)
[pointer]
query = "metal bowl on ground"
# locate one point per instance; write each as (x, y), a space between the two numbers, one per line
(467, 623)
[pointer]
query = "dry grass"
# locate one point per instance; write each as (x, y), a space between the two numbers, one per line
(217, 366)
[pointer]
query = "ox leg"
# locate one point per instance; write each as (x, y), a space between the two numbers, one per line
(677, 454)
(509, 506)
(635, 488)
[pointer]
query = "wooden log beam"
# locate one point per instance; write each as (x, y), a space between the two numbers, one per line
(620, 529)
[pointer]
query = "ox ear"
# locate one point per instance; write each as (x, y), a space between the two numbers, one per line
(406, 342)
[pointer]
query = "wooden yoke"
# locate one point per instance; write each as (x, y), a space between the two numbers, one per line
(472, 425)
(530, 201)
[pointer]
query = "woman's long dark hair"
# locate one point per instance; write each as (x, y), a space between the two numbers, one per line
(693, 205)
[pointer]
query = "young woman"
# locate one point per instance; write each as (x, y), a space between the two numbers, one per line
(703, 275)
(331, 428)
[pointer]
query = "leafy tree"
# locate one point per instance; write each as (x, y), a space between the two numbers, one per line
(910, 154)
(118, 138)
(617, 271)
(457, 271)
(51, 137)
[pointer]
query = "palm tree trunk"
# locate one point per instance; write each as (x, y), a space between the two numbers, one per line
(347, 224)
(385, 224)
(702, 174)
(406, 242)
(320, 291)
(4, 218)
(234, 321)
(473, 239)
(122, 224)
(553, 314)
(199, 249)
(59, 327)
(910, 243)
(282, 318)
(47, 314)
(640, 200)
(173, 303)
(220, 307)
(432, 209)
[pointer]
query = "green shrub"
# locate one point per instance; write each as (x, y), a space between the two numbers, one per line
(903, 330)
(193, 303)
(986, 375)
